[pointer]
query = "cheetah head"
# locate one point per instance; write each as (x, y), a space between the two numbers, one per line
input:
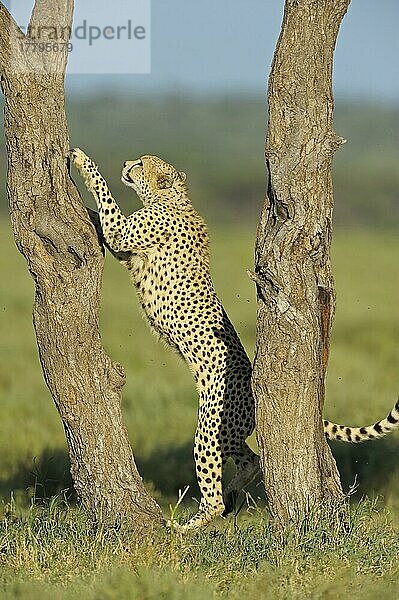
(153, 179)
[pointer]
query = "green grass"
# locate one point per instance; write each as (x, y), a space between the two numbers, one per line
(48, 550)
(53, 553)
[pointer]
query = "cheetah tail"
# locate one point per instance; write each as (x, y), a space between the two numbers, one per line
(363, 434)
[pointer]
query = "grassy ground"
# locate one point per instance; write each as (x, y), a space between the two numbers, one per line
(47, 550)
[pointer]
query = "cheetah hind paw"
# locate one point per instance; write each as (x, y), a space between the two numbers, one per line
(175, 526)
(201, 519)
(230, 503)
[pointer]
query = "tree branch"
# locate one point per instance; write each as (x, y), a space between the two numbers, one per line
(48, 22)
(9, 32)
(51, 22)
(59, 14)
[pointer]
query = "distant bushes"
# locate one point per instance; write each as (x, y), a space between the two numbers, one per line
(219, 142)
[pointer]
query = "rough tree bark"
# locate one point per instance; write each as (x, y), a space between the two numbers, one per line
(295, 286)
(61, 247)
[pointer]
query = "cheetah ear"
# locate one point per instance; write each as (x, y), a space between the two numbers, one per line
(164, 182)
(183, 176)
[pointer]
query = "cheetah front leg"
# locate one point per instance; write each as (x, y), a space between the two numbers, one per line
(114, 224)
(121, 234)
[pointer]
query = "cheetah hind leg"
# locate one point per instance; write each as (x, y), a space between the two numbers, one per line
(247, 465)
(209, 465)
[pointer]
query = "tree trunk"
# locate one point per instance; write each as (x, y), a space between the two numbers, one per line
(296, 298)
(61, 247)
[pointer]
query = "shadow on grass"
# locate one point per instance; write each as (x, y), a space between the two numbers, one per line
(45, 477)
(169, 470)
(372, 465)
(48, 475)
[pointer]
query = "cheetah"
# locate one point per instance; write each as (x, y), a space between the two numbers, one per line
(164, 246)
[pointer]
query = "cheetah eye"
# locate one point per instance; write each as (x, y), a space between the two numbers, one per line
(138, 163)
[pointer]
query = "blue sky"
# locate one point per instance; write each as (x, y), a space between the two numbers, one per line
(219, 46)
